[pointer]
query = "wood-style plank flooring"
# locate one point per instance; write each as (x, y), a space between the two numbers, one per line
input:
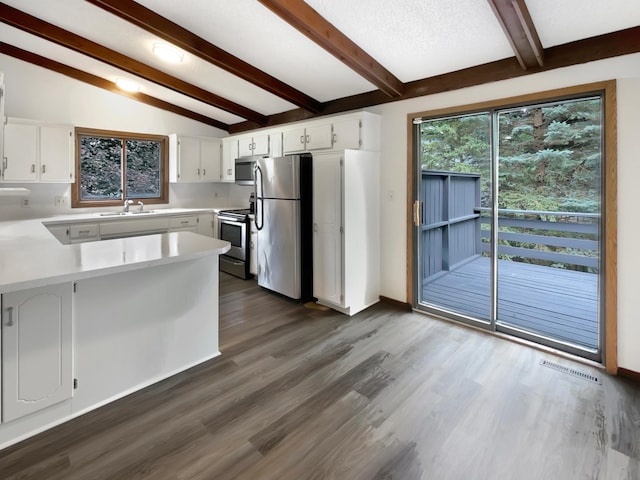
(301, 393)
(555, 303)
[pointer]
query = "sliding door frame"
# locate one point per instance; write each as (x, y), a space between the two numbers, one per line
(608, 261)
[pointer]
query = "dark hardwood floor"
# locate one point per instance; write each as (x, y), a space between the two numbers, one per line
(305, 393)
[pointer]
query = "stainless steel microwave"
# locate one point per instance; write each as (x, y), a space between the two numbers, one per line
(244, 170)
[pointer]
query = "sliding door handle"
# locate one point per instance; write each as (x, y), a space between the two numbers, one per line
(417, 213)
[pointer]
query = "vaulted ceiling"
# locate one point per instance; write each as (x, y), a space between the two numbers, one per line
(252, 63)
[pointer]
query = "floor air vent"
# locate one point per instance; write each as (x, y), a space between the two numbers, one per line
(571, 371)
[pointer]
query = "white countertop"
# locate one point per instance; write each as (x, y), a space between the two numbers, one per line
(101, 217)
(30, 256)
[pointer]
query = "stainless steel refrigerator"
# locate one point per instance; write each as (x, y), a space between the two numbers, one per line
(283, 220)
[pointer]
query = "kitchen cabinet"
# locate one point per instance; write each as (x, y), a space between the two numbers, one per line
(36, 152)
(355, 131)
(257, 144)
(229, 155)
(309, 137)
(84, 233)
(346, 230)
(37, 369)
(1, 120)
(106, 228)
(133, 228)
(184, 223)
(205, 224)
(194, 159)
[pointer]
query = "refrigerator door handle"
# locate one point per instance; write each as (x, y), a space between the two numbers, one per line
(257, 172)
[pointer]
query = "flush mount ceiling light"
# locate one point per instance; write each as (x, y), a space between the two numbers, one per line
(168, 53)
(127, 85)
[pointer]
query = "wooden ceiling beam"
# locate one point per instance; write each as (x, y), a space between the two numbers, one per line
(309, 22)
(180, 37)
(515, 20)
(622, 42)
(42, 29)
(100, 82)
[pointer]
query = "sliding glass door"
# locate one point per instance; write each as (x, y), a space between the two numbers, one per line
(507, 221)
(455, 184)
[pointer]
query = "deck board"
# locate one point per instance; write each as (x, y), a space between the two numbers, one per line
(562, 304)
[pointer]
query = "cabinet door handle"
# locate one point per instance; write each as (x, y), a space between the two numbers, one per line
(198, 172)
(204, 172)
(301, 138)
(306, 138)
(315, 227)
(44, 169)
(5, 162)
(33, 168)
(10, 315)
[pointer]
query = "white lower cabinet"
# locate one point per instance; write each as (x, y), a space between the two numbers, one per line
(37, 368)
(346, 230)
(185, 223)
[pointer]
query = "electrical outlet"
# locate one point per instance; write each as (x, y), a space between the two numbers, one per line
(25, 203)
(59, 201)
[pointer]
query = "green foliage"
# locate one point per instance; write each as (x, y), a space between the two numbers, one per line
(549, 158)
(101, 166)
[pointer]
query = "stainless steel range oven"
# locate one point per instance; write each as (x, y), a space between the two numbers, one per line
(233, 227)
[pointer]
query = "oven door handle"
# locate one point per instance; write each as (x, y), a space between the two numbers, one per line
(229, 219)
(260, 201)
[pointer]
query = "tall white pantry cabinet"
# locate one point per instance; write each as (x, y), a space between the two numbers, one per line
(346, 229)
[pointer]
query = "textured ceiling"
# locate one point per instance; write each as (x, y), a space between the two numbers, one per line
(415, 39)
(412, 39)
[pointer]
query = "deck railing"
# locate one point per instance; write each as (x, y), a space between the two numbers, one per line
(551, 238)
(456, 230)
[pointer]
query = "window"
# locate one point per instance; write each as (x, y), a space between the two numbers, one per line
(114, 166)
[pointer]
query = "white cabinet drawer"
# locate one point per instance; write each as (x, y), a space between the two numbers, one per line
(83, 231)
(183, 222)
(122, 228)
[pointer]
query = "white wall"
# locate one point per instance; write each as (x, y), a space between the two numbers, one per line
(394, 176)
(36, 93)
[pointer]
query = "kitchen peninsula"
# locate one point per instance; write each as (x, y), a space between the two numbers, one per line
(85, 324)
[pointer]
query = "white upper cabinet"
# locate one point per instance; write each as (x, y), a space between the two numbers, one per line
(195, 159)
(311, 137)
(38, 152)
(229, 155)
(211, 160)
(1, 119)
(346, 134)
(253, 145)
(355, 131)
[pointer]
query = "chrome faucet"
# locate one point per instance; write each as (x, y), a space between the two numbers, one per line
(141, 206)
(125, 206)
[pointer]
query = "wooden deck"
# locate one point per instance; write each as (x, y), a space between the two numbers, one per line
(552, 302)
